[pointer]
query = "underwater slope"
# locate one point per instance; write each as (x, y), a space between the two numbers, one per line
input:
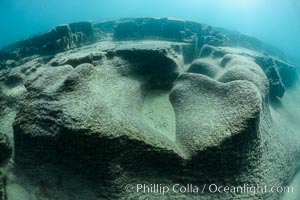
(93, 107)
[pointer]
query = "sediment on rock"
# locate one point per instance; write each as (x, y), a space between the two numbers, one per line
(145, 100)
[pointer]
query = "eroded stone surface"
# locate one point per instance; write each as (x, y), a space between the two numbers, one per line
(184, 108)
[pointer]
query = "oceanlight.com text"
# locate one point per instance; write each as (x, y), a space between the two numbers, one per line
(205, 188)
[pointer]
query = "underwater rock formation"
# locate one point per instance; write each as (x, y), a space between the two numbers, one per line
(5, 153)
(146, 101)
(5, 147)
(61, 38)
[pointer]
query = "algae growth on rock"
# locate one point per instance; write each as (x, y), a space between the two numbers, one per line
(93, 107)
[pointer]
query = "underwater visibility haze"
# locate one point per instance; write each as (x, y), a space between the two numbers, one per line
(161, 99)
(273, 21)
